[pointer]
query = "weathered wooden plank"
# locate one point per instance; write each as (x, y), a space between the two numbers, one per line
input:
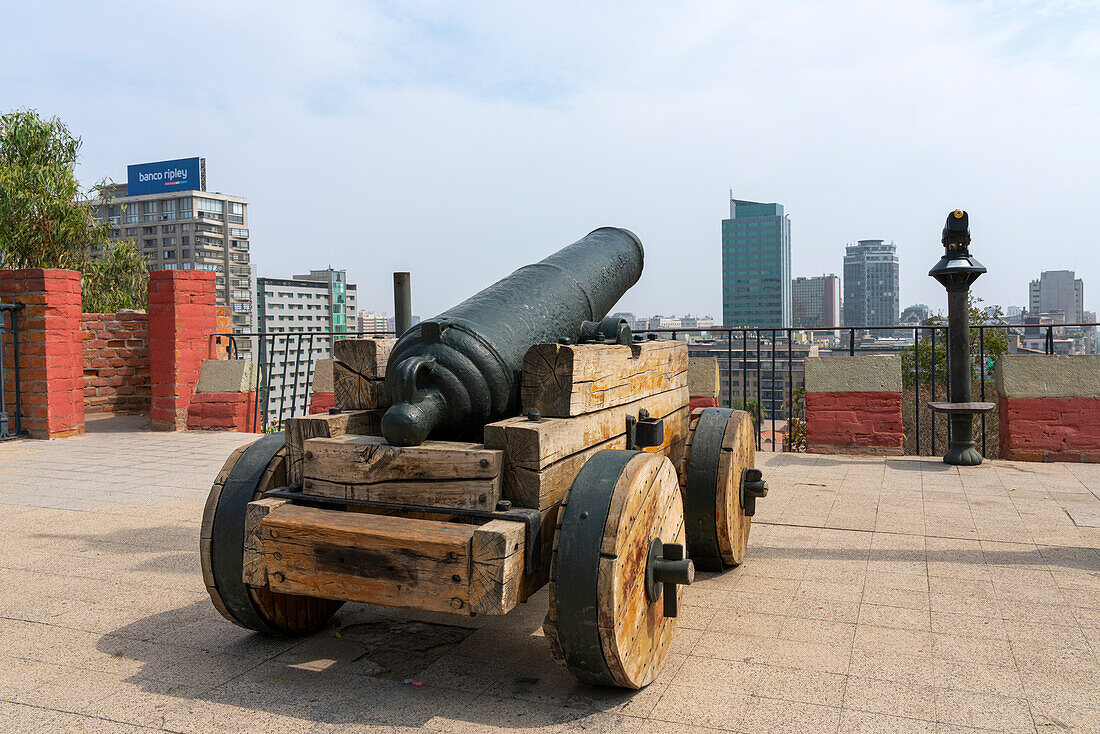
(370, 460)
(324, 425)
(377, 559)
(530, 488)
(358, 371)
(255, 569)
(469, 494)
(537, 444)
(367, 357)
(563, 380)
(496, 566)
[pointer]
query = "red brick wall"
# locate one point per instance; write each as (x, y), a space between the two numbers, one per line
(50, 360)
(222, 411)
(182, 316)
(116, 362)
(854, 423)
(1050, 429)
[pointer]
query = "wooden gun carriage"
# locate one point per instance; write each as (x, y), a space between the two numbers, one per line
(603, 487)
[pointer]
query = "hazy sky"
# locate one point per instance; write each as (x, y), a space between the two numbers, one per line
(462, 140)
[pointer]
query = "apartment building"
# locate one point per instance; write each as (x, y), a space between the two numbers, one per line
(871, 283)
(815, 302)
(299, 317)
(179, 225)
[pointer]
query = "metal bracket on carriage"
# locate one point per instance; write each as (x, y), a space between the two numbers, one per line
(643, 431)
(611, 330)
(753, 486)
(666, 568)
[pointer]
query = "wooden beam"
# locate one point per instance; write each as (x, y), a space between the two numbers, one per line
(358, 373)
(325, 425)
(255, 567)
(496, 566)
(404, 562)
(563, 380)
(545, 487)
(377, 559)
(371, 460)
(537, 444)
(468, 494)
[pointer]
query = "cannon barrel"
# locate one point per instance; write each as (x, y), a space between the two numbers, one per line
(449, 376)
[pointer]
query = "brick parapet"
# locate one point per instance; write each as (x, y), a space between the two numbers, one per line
(182, 316)
(854, 423)
(50, 361)
(1049, 428)
(222, 411)
(116, 362)
(320, 402)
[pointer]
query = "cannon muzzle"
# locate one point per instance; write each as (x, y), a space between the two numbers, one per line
(450, 375)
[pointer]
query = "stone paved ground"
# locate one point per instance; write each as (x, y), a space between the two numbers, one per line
(895, 595)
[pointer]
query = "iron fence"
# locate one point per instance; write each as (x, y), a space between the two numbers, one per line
(762, 349)
(10, 383)
(286, 364)
(285, 367)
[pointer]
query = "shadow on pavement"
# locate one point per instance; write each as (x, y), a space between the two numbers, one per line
(371, 665)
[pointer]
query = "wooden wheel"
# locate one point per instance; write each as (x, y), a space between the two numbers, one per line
(721, 487)
(615, 576)
(250, 471)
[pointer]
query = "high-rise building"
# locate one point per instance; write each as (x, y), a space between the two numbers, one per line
(177, 224)
(1057, 290)
(302, 316)
(373, 322)
(918, 313)
(756, 265)
(871, 280)
(815, 302)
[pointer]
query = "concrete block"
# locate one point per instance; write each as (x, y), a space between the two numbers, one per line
(1048, 376)
(226, 375)
(880, 373)
(322, 376)
(703, 377)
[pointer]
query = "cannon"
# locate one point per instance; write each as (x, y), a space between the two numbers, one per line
(453, 374)
(522, 439)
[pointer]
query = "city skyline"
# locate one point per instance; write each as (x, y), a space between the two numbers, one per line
(502, 145)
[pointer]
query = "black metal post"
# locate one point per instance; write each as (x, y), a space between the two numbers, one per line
(402, 302)
(956, 270)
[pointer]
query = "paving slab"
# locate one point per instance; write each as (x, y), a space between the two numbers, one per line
(878, 595)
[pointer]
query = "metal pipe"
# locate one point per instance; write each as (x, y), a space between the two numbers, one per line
(402, 302)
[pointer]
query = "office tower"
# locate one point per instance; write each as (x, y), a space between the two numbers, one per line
(871, 284)
(302, 315)
(373, 322)
(1057, 290)
(815, 302)
(177, 224)
(756, 265)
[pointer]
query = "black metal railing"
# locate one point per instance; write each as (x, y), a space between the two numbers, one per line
(773, 357)
(768, 355)
(285, 367)
(11, 423)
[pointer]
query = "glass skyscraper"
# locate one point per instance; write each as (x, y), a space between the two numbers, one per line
(756, 265)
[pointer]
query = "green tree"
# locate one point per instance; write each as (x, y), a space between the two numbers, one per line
(994, 343)
(46, 220)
